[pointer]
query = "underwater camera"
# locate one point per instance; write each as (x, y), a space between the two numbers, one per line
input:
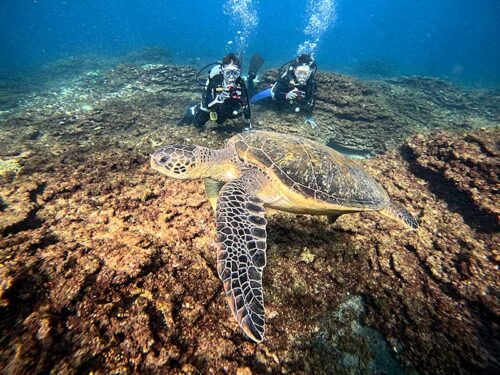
(234, 91)
(300, 95)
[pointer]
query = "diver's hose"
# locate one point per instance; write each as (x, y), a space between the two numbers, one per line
(197, 78)
(280, 70)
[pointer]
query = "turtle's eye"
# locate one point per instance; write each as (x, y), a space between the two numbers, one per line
(164, 159)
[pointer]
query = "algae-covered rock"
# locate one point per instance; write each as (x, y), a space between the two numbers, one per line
(130, 284)
(107, 267)
(9, 169)
(467, 164)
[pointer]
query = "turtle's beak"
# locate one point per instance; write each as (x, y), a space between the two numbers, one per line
(157, 165)
(154, 164)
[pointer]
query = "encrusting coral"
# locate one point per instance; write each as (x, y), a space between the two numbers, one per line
(107, 267)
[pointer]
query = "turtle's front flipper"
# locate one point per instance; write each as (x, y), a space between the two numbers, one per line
(400, 214)
(241, 235)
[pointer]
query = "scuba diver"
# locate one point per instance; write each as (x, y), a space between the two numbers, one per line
(225, 96)
(296, 87)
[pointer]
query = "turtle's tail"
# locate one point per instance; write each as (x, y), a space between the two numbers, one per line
(400, 214)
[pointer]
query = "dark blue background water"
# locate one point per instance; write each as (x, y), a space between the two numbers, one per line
(458, 39)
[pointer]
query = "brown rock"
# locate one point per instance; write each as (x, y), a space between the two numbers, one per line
(108, 267)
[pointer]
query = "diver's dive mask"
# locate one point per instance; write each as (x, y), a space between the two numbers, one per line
(230, 72)
(302, 73)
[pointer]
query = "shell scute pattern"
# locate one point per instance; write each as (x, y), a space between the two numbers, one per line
(312, 169)
(242, 148)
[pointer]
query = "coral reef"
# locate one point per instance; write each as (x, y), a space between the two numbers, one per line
(374, 68)
(371, 117)
(148, 55)
(364, 118)
(108, 267)
(474, 179)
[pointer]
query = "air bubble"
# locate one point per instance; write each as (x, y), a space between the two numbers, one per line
(321, 16)
(243, 15)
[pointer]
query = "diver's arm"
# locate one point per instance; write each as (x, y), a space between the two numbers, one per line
(208, 94)
(250, 84)
(280, 89)
(311, 96)
(310, 99)
(245, 102)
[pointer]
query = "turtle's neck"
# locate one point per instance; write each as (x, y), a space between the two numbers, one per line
(223, 164)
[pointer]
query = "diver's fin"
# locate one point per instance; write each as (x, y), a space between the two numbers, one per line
(188, 116)
(256, 63)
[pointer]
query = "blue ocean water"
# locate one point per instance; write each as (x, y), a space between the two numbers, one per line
(453, 39)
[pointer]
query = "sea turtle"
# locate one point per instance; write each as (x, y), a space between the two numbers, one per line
(259, 169)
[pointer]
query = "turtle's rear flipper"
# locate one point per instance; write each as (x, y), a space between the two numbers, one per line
(400, 214)
(241, 257)
(189, 115)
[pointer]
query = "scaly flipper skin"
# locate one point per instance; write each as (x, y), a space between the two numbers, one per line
(400, 214)
(241, 257)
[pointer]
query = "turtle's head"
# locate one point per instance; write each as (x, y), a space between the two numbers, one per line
(181, 161)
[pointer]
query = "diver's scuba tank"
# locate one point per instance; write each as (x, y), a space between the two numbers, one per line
(197, 78)
(281, 70)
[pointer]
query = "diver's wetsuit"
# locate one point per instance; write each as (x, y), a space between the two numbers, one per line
(232, 107)
(251, 84)
(287, 82)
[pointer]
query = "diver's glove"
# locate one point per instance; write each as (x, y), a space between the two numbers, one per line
(294, 94)
(219, 99)
(309, 120)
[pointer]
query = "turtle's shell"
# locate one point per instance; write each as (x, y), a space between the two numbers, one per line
(311, 169)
